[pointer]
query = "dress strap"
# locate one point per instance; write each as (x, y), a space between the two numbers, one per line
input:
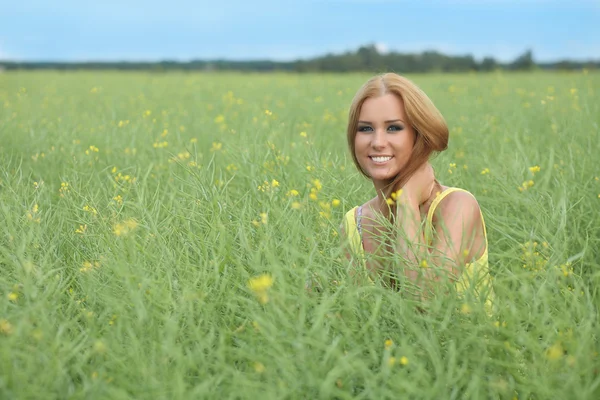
(358, 222)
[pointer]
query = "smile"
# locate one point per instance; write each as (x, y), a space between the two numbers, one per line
(380, 159)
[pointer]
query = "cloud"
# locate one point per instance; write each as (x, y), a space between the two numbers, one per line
(382, 48)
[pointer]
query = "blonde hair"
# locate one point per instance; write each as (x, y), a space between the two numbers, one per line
(428, 123)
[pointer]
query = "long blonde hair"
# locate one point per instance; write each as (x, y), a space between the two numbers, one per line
(429, 124)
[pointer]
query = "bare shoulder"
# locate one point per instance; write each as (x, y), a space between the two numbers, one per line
(462, 204)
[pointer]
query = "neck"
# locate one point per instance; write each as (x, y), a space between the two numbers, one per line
(381, 204)
(380, 189)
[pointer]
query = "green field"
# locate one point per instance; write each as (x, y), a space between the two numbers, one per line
(136, 210)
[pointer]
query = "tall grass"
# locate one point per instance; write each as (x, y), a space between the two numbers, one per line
(137, 209)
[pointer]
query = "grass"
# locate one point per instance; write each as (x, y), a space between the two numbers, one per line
(135, 210)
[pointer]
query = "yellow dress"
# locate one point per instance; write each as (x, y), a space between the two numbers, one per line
(475, 274)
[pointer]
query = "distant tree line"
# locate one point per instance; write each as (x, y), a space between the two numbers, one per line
(365, 59)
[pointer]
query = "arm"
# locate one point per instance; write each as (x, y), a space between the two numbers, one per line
(411, 242)
(454, 239)
(456, 235)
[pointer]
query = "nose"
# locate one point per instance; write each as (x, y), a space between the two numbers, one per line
(379, 139)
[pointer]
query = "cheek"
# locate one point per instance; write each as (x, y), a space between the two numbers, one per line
(408, 142)
(359, 144)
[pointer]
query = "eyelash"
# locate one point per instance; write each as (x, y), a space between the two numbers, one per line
(363, 128)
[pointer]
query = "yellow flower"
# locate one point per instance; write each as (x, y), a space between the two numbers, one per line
(88, 266)
(64, 188)
(125, 227)
(100, 347)
(485, 171)
(526, 185)
(260, 283)
(260, 286)
(259, 367)
(555, 352)
(292, 193)
(396, 195)
(12, 296)
(325, 206)
(335, 202)
(91, 149)
(534, 169)
(263, 217)
(303, 134)
(465, 309)
(388, 344)
(424, 264)
(403, 360)
(184, 155)
(317, 184)
(216, 146)
(32, 215)
(90, 209)
(5, 327)
(274, 183)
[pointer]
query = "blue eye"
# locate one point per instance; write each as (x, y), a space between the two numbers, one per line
(364, 128)
(395, 128)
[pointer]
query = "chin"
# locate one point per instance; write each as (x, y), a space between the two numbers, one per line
(383, 177)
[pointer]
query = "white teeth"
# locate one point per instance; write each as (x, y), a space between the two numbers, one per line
(381, 159)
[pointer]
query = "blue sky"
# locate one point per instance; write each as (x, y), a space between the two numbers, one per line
(135, 30)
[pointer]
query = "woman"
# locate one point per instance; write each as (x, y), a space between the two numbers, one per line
(428, 231)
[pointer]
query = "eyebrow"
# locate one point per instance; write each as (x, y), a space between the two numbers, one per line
(387, 122)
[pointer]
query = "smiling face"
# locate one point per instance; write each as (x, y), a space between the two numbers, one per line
(384, 140)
